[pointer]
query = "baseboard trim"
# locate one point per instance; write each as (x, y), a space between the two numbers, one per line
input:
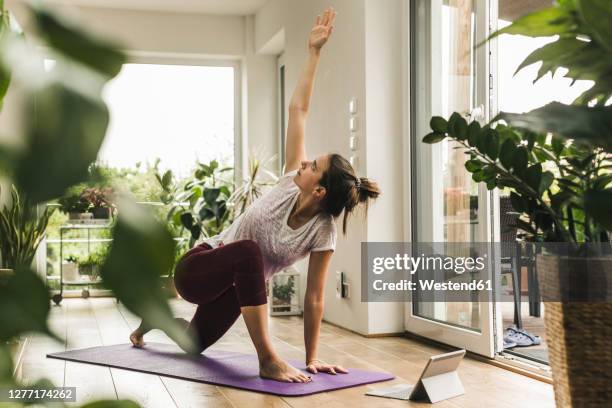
(399, 334)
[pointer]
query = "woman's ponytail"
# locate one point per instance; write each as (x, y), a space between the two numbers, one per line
(345, 190)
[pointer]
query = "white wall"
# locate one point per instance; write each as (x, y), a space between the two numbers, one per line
(362, 60)
(385, 52)
(260, 97)
(159, 32)
(340, 77)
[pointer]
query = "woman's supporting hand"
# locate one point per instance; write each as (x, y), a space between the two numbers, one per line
(322, 30)
(318, 366)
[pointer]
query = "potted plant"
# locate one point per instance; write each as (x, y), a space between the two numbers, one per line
(556, 162)
(70, 269)
(282, 294)
(74, 204)
(21, 231)
(100, 200)
(252, 187)
(91, 264)
(88, 265)
(198, 205)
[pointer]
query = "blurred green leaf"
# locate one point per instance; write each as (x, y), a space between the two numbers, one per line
(432, 138)
(65, 37)
(542, 23)
(473, 165)
(584, 124)
(520, 159)
(211, 195)
(506, 154)
(598, 203)
(438, 124)
(167, 179)
(187, 220)
(64, 133)
(492, 144)
(5, 74)
(473, 133)
(6, 364)
(558, 145)
(602, 182)
(533, 176)
(597, 14)
(461, 128)
(141, 252)
(491, 183)
(545, 181)
(24, 305)
(552, 54)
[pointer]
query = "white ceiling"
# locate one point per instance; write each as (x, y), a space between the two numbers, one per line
(228, 7)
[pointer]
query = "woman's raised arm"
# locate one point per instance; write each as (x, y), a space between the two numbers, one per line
(295, 151)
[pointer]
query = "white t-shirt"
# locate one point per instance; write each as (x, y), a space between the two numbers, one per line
(265, 222)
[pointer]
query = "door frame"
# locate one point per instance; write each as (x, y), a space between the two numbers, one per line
(485, 342)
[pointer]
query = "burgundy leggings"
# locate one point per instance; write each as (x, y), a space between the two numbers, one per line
(220, 281)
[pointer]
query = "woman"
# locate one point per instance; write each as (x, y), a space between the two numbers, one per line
(225, 275)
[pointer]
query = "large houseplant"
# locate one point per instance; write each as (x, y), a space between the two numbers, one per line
(21, 230)
(198, 205)
(74, 204)
(101, 200)
(556, 163)
(258, 178)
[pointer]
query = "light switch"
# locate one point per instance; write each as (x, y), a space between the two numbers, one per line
(353, 142)
(353, 124)
(353, 106)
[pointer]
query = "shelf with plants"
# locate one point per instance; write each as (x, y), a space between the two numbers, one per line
(80, 268)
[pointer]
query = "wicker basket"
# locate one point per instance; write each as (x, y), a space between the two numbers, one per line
(579, 333)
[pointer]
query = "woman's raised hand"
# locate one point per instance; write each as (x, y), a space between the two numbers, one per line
(322, 29)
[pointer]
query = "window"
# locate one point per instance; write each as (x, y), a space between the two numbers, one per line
(179, 113)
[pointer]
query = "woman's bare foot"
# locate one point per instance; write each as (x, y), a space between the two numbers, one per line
(137, 339)
(277, 369)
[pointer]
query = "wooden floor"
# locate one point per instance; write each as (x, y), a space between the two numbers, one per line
(101, 321)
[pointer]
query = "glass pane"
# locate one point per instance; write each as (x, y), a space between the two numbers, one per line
(172, 112)
(445, 196)
(517, 93)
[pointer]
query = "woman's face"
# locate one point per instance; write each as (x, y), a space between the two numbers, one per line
(309, 174)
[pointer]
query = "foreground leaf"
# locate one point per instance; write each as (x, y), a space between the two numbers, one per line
(584, 124)
(24, 305)
(64, 134)
(141, 252)
(598, 203)
(99, 55)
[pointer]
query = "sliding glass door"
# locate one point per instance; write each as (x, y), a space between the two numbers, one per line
(449, 75)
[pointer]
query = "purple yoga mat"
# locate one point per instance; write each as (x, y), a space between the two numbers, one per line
(215, 367)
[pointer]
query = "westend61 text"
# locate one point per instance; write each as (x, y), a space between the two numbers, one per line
(405, 284)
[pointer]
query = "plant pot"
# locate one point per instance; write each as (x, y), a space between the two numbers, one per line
(101, 213)
(80, 216)
(5, 274)
(578, 332)
(167, 285)
(281, 305)
(91, 270)
(70, 271)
